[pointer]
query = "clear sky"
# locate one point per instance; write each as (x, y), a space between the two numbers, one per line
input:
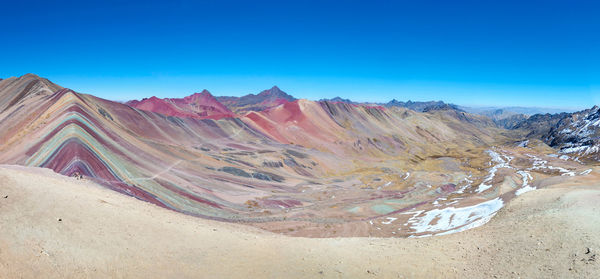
(528, 53)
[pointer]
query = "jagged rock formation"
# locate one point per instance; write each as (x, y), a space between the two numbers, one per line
(577, 134)
(539, 125)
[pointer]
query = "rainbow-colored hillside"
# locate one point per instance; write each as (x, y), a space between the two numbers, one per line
(298, 167)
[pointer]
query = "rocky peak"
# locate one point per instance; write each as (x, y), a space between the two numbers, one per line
(275, 92)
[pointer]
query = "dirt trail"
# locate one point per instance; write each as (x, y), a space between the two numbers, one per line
(53, 226)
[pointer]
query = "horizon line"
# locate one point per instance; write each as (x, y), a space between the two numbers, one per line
(358, 101)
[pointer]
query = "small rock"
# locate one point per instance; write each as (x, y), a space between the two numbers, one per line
(59, 219)
(588, 250)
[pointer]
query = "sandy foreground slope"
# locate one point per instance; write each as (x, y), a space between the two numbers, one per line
(52, 226)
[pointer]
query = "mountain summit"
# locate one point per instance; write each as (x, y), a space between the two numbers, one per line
(17, 89)
(275, 93)
(265, 99)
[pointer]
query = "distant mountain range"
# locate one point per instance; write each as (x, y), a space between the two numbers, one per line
(207, 106)
(563, 130)
(422, 106)
(514, 110)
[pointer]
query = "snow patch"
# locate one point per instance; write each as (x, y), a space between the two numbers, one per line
(501, 163)
(539, 164)
(389, 220)
(523, 143)
(562, 157)
(526, 179)
(451, 219)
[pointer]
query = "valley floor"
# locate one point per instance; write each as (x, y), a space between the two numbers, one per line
(52, 226)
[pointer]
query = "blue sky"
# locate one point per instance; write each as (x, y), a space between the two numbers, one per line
(501, 53)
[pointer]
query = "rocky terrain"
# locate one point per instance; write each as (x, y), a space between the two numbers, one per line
(571, 134)
(578, 134)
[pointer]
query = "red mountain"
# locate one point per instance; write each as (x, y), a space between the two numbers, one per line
(198, 105)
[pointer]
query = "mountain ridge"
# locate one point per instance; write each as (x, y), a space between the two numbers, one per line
(198, 105)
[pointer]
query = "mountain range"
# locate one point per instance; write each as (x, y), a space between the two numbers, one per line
(289, 165)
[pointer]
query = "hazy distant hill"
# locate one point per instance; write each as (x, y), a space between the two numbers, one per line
(514, 110)
(514, 117)
(338, 99)
(422, 106)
